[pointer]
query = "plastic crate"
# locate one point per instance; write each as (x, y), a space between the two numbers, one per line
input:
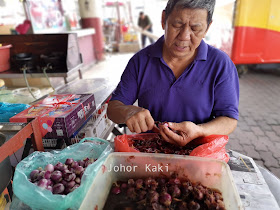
(50, 142)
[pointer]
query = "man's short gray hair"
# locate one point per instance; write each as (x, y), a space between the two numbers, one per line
(191, 4)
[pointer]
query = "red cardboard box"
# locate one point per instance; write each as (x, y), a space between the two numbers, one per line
(59, 115)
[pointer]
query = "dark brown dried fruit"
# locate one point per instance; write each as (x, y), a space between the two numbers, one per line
(158, 145)
(165, 193)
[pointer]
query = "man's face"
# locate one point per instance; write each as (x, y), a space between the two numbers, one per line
(142, 16)
(184, 30)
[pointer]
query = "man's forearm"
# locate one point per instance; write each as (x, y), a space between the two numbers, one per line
(220, 125)
(119, 112)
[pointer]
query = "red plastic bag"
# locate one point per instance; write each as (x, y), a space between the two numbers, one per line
(210, 146)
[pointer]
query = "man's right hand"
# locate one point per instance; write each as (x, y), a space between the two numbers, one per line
(136, 118)
(140, 121)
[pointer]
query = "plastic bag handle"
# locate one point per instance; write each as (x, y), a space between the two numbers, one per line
(93, 139)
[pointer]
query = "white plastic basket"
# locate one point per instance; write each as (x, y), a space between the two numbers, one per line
(211, 173)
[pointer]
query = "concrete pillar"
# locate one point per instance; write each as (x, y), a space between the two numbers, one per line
(91, 15)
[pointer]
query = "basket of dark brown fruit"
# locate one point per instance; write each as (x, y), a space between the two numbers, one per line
(160, 181)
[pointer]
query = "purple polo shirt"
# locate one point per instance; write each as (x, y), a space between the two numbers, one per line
(208, 88)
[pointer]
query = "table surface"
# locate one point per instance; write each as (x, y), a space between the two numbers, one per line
(19, 74)
(101, 88)
(257, 187)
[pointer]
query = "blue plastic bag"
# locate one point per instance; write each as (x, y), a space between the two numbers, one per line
(38, 198)
(8, 110)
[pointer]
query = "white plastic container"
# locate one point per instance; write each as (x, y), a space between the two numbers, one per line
(121, 166)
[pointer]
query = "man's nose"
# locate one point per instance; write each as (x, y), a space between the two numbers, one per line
(185, 33)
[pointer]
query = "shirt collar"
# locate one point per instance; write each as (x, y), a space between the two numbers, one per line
(202, 51)
(156, 49)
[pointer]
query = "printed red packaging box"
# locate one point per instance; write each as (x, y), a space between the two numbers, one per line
(59, 115)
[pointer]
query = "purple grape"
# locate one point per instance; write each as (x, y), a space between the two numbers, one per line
(43, 183)
(64, 182)
(75, 187)
(154, 184)
(123, 186)
(67, 190)
(58, 166)
(193, 205)
(74, 164)
(175, 191)
(69, 161)
(47, 175)
(79, 170)
(165, 199)
(161, 181)
(131, 182)
(81, 163)
(49, 168)
(139, 183)
(153, 196)
(69, 176)
(65, 172)
(175, 181)
(148, 181)
(87, 163)
(131, 193)
(71, 184)
(78, 180)
(56, 176)
(142, 195)
(58, 188)
(49, 188)
(182, 205)
(33, 175)
(116, 190)
(50, 182)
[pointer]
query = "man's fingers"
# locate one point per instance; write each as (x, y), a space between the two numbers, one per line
(130, 127)
(178, 139)
(155, 129)
(174, 126)
(164, 136)
(150, 122)
(136, 128)
(143, 126)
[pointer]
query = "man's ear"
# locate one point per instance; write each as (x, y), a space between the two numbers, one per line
(207, 29)
(163, 19)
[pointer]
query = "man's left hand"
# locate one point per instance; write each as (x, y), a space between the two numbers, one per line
(180, 133)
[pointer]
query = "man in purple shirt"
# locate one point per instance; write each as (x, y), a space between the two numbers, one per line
(179, 79)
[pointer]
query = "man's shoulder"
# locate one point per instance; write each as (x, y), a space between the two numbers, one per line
(213, 51)
(221, 60)
(141, 56)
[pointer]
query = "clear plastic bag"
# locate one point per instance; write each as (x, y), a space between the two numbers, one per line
(38, 198)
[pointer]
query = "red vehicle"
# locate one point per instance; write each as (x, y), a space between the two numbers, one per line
(256, 40)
